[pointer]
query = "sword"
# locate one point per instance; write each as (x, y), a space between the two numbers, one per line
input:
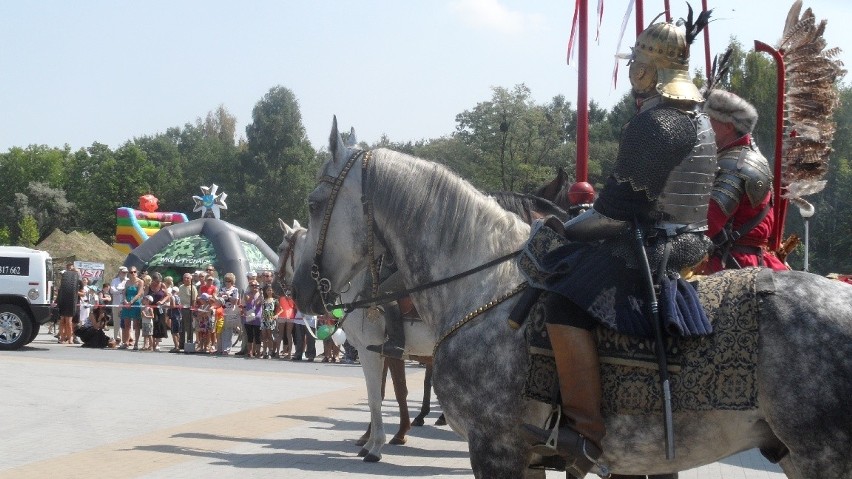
(654, 312)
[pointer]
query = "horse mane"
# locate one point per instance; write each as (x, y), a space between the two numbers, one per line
(422, 194)
(524, 205)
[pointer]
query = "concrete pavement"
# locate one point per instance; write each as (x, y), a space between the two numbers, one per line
(71, 412)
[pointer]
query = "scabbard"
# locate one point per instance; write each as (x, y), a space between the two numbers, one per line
(653, 313)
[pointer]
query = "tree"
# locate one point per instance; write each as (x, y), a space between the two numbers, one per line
(276, 171)
(28, 236)
(5, 236)
(47, 206)
(517, 140)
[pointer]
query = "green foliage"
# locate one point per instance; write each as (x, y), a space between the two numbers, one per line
(5, 236)
(28, 232)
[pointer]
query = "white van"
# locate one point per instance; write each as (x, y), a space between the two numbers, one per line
(26, 289)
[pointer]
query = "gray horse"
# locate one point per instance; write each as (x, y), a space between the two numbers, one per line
(437, 225)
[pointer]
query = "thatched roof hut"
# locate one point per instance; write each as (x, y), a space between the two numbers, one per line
(76, 246)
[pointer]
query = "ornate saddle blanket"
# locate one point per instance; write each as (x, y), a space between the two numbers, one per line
(714, 372)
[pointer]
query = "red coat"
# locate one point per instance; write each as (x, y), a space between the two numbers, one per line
(759, 236)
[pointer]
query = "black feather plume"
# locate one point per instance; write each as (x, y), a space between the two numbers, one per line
(693, 29)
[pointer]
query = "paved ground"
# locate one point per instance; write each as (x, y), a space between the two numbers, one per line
(70, 412)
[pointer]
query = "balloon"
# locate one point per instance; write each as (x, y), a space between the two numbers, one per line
(337, 312)
(324, 332)
(148, 203)
(339, 337)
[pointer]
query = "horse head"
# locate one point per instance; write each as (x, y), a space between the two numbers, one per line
(337, 228)
(289, 250)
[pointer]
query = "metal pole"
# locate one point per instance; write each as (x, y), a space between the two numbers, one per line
(807, 244)
(707, 62)
(583, 94)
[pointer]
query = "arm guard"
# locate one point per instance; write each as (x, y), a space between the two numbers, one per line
(742, 172)
(593, 226)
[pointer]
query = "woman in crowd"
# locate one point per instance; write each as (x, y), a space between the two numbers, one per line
(231, 295)
(162, 297)
(284, 338)
(131, 312)
(269, 322)
(252, 315)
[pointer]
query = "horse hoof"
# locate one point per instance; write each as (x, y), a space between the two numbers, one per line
(363, 453)
(442, 421)
(372, 458)
(361, 442)
(398, 441)
(418, 421)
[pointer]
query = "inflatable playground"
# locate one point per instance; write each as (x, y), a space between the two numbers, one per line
(134, 226)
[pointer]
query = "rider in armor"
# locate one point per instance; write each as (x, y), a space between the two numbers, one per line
(661, 186)
(740, 217)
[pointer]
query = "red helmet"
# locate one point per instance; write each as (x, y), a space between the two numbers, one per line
(581, 193)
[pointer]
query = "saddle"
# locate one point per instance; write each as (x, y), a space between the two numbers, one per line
(710, 372)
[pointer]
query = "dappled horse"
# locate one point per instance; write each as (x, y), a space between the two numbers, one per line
(361, 331)
(441, 226)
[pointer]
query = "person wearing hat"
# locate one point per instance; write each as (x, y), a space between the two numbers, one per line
(740, 217)
(659, 187)
(116, 289)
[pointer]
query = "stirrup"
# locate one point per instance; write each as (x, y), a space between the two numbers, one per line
(387, 350)
(582, 458)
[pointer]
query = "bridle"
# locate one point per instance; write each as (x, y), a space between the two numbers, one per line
(330, 298)
(289, 255)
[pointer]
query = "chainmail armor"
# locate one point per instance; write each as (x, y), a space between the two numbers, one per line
(742, 171)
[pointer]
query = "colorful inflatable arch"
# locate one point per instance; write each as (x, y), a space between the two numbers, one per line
(133, 227)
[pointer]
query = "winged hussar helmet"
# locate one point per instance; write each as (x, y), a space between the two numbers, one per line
(665, 47)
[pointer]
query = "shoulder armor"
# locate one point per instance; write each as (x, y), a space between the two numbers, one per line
(742, 171)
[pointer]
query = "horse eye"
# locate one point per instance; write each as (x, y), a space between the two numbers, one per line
(313, 206)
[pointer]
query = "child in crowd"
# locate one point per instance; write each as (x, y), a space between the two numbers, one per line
(175, 317)
(270, 320)
(204, 322)
(147, 323)
(284, 337)
(217, 317)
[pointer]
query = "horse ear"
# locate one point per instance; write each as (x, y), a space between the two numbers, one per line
(335, 141)
(282, 225)
(352, 141)
(296, 225)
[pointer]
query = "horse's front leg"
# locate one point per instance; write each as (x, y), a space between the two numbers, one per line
(400, 389)
(372, 364)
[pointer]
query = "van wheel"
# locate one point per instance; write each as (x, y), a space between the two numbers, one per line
(16, 327)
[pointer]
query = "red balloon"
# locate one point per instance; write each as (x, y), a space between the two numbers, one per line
(148, 203)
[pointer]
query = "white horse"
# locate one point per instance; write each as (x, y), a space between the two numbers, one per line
(437, 225)
(360, 332)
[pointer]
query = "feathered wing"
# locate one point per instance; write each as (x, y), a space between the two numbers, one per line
(811, 97)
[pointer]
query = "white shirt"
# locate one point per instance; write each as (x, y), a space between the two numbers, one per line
(116, 288)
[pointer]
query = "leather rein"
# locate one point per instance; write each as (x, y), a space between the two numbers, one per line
(330, 298)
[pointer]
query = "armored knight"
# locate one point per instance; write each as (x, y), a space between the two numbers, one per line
(661, 185)
(740, 217)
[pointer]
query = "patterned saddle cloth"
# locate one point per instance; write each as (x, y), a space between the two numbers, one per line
(713, 372)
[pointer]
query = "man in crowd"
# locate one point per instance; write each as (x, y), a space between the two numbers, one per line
(116, 289)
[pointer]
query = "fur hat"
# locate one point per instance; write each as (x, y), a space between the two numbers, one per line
(726, 107)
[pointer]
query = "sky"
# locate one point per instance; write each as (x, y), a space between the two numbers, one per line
(107, 71)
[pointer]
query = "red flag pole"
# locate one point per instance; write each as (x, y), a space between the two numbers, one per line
(707, 62)
(669, 11)
(780, 206)
(640, 17)
(583, 94)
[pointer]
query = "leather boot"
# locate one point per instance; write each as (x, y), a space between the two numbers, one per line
(578, 368)
(394, 347)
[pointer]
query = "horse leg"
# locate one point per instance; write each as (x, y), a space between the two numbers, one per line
(397, 370)
(425, 408)
(371, 364)
(497, 453)
(366, 436)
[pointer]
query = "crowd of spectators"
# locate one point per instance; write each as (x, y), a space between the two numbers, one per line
(203, 314)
